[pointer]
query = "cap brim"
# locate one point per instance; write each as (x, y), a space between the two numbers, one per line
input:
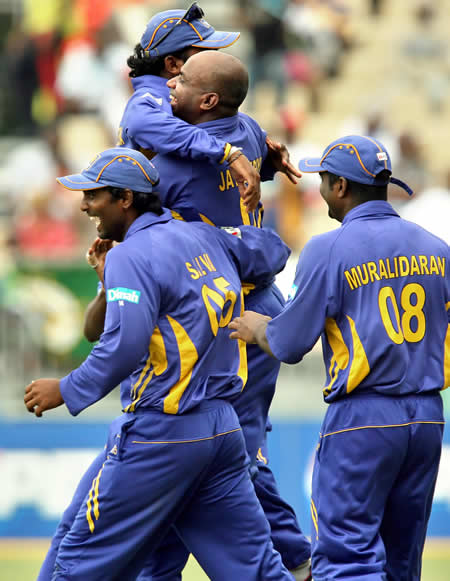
(218, 39)
(310, 165)
(78, 181)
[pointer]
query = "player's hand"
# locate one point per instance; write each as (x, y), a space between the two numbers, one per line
(96, 255)
(42, 395)
(247, 326)
(279, 156)
(248, 181)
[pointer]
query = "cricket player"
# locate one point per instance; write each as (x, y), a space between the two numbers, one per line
(169, 39)
(177, 455)
(377, 292)
(208, 93)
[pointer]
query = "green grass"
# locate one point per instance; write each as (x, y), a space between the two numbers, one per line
(20, 560)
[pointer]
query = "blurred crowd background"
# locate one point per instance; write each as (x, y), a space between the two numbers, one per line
(319, 69)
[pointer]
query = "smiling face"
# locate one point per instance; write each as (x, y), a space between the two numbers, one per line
(109, 213)
(189, 90)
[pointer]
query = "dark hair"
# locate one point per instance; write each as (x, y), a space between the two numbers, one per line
(142, 201)
(366, 192)
(150, 65)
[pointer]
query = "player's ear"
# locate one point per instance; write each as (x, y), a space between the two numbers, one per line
(173, 64)
(209, 101)
(341, 187)
(127, 198)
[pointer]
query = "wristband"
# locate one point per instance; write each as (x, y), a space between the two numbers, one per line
(233, 154)
(226, 153)
(234, 157)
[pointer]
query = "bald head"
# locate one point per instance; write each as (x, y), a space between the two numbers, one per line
(211, 85)
(223, 74)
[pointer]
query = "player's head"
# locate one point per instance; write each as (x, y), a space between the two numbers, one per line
(354, 169)
(211, 85)
(118, 186)
(177, 35)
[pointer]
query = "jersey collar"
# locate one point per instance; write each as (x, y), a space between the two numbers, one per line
(148, 219)
(377, 208)
(150, 81)
(218, 125)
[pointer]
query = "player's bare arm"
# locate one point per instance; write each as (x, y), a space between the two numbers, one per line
(247, 179)
(94, 317)
(251, 328)
(42, 395)
(279, 156)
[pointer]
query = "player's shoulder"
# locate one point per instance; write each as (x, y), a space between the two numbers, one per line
(149, 94)
(430, 238)
(318, 250)
(324, 242)
(250, 123)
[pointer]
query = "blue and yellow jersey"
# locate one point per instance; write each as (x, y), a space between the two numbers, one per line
(207, 191)
(148, 125)
(377, 290)
(171, 289)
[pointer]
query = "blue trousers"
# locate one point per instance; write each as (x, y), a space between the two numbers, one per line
(373, 483)
(169, 560)
(190, 471)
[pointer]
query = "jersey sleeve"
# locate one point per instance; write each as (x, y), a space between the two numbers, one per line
(131, 316)
(258, 253)
(155, 129)
(267, 170)
(297, 328)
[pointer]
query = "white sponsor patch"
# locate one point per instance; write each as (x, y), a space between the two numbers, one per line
(123, 294)
(382, 156)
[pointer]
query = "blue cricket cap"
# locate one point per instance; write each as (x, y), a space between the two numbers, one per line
(118, 167)
(356, 157)
(173, 30)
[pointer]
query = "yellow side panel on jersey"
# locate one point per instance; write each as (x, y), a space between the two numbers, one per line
(341, 354)
(360, 367)
(157, 361)
(447, 356)
(158, 352)
(243, 368)
(188, 358)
